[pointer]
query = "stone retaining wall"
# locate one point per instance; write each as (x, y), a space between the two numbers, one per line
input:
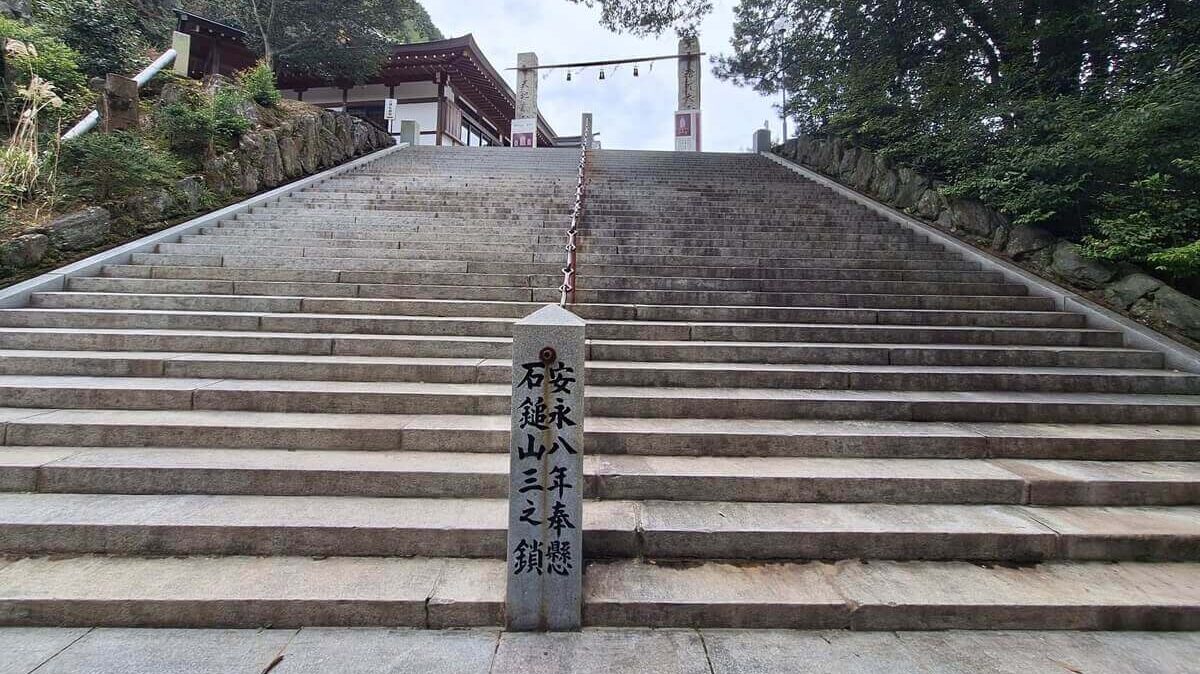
(15, 9)
(309, 142)
(1123, 287)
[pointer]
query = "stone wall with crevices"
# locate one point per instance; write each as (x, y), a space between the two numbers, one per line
(1124, 288)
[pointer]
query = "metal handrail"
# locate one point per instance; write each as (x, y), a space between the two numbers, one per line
(568, 287)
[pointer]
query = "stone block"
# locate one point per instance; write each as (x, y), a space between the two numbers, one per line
(171, 651)
(603, 652)
(885, 181)
(931, 203)
(119, 105)
(80, 230)
(1170, 307)
(864, 169)
(911, 185)
(23, 251)
(1069, 262)
(1128, 290)
(973, 217)
(150, 206)
(1023, 240)
(363, 651)
(27, 648)
(848, 164)
(191, 193)
(16, 9)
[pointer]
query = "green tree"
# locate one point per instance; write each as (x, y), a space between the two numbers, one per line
(331, 39)
(650, 17)
(106, 33)
(414, 24)
(1082, 116)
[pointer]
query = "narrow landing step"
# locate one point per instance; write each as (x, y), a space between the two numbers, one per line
(432, 592)
(592, 651)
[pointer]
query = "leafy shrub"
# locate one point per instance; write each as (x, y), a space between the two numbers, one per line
(1178, 261)
(258, 84)
(105, 34)
(49, 59)
(110, 167)
(202, 122)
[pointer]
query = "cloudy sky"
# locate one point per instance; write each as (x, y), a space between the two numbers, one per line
(630, 113)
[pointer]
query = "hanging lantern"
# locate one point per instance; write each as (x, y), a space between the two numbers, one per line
(635, 70)
(568, 75)
(602, 73)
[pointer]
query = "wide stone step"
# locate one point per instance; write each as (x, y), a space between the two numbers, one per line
(411, 247)
(352, 224)
(618, 650)
(641, 437)
(439, 592)
(49, 523)
(275, 472)
(597, 329)
(377, 238)
(815, 298)
(893, 595)
(360, 283)
(455, 346)
(162, 393)
(601, 373)
(649, 278)
(251, 591)
(593, 243)
(450, 308)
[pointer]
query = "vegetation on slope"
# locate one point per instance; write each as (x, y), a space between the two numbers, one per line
(1079, 116)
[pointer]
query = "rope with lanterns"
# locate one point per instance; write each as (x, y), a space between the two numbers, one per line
(616, 64)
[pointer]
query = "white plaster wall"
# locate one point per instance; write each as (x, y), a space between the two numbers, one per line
(424, 113)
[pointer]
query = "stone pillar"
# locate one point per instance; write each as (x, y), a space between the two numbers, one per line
(524, 127)
(545, 493)
(687, 115)
(182, 44)
(410, 132)
(585, 130)
(119, 106)
(762, 140)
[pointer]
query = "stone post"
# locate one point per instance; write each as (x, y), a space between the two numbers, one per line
(585, 131)
(524, 127)
(687, 115)
(762, 140)
(545, 493)
(410, 132)
(119, 107)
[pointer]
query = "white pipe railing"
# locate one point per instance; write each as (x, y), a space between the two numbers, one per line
(89, 122)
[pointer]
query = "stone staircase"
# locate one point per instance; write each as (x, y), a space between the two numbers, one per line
(799, 415)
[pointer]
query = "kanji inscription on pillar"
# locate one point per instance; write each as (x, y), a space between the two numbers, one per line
(545, 520)
(687, 116)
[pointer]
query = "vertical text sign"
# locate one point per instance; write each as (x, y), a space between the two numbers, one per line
(545, 493)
